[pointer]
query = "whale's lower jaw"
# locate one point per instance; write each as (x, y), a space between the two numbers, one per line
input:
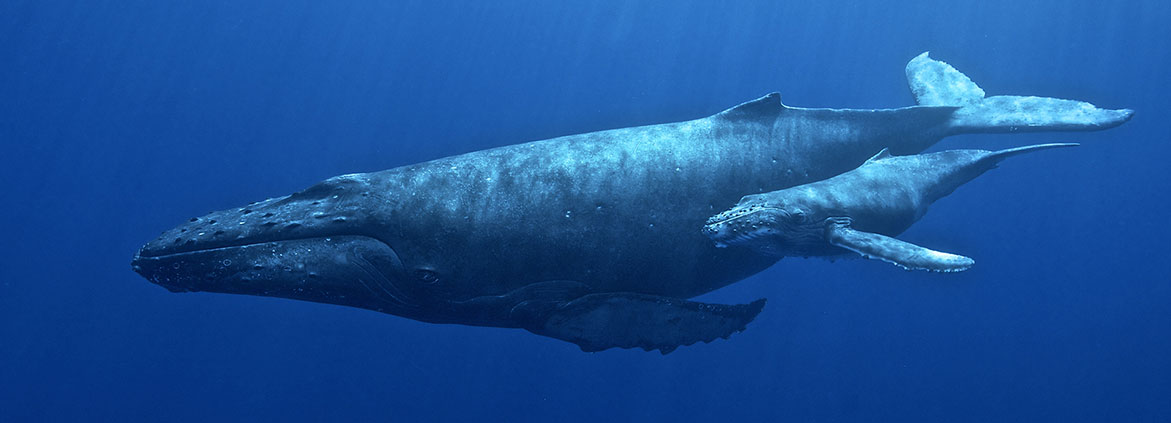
(356, 271)
(744, 238)
(743, 224)
(772, 237)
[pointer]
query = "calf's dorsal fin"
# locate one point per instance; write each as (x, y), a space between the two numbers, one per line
(881, 155)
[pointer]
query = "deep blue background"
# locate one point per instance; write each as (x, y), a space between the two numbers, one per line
(122, 118)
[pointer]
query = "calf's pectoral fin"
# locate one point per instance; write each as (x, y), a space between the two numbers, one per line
(903, 254)
(629, 320)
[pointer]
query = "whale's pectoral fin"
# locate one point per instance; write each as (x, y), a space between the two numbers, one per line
(629, 320)
(935, 83)
(903, 254)
(1010, 113)
(502, 310)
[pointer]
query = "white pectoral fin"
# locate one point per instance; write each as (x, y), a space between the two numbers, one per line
(1010, 113)
(935, 83)
(903, 254)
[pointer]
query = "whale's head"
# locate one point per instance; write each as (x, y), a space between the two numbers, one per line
(324, 244)
(776, 223)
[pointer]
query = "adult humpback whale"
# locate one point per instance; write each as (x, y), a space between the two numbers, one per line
(592, 238)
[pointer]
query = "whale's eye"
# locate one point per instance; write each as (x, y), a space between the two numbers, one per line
(427, 276)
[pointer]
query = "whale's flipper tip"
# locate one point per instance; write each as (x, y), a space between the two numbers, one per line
(900, 253)
(1121, 116)
(1009, 113)
(597, 322)
(936, 83)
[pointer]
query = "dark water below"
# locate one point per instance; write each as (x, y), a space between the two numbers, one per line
(122, 118)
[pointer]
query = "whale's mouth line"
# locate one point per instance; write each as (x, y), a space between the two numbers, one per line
(140, 254)
(355, 270)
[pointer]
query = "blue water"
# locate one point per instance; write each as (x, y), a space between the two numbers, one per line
(122, 118)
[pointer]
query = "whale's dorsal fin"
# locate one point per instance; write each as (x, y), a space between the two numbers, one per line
(900, 253)
(767, 106)
(881, 155)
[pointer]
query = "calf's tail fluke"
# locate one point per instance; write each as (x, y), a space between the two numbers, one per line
(997, 156)
(935, 83)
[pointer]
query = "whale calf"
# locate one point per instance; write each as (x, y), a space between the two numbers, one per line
(859, 210)
(591, 238)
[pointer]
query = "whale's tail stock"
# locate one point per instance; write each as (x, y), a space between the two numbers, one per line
(935, 83)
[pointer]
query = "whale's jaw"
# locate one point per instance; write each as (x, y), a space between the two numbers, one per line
(316, 245)
(347, 270)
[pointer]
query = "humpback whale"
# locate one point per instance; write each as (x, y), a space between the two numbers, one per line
(592, 238)
(860, 210)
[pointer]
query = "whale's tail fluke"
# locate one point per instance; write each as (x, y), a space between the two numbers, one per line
(935, 83)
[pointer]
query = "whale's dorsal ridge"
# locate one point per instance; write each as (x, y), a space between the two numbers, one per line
(768, 106)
